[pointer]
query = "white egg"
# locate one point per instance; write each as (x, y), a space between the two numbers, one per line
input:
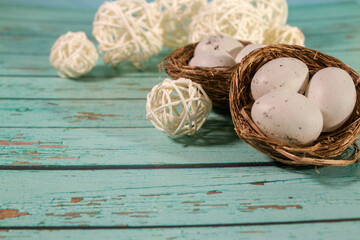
(246, 50)
(225, 43)
(289, 73)
(288, 117)
(333, 91)
(212, 59)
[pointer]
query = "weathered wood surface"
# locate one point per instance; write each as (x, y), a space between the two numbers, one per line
(323, 231)
(134, 177)
(216, 144)
(170, 197)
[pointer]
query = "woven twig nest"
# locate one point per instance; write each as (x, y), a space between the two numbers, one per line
(215, 81)
(337, 148)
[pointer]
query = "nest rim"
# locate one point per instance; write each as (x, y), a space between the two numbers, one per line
(215, 80)
(323, 150)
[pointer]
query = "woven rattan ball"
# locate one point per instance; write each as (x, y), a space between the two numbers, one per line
(128, 30)
(176, 18)
(240, 20)
(284, 34)
(178, 107)
(338, 148)
(215, 81)
(273, 11)
(73, 55)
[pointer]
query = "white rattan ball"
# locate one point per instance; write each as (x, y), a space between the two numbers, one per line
(128, 30)
(237, 19)
(73, 55)
(178, 107)
(284, 34)
(176, 18)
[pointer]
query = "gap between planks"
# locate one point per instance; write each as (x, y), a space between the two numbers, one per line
(141, 167)
(182, 226)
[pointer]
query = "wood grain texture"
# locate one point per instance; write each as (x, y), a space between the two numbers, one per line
(85, 88)
(149, 190)
(328, 231)
(172, 197)
(80, 113)
(215, 144)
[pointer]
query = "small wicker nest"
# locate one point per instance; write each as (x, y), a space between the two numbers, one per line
(215, 81)
(330, 149)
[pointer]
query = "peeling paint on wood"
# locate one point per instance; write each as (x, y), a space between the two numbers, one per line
(76, 199)
(7, 142)
(24, 163)
(258, 183)
(93, 116)
(72, 214)
(11, 213)
(52, 146)
(214, 192)
(275, 207)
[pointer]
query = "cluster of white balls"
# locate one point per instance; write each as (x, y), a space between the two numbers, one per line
(256, 21)
(135, 30)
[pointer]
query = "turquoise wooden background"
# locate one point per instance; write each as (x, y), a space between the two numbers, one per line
(79, 161)
(97, 3)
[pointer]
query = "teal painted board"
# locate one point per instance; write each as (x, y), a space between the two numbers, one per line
(341, 36)
(173, 197)
(215, 144)
(320, 231)
(84, 88)
(94, 4)
(81, 113)
(38, 65)
(65, 15)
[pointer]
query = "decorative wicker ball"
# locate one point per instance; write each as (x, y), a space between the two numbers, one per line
(128, 30)
(237, 19)
(73, 55)
(176, 18)
(215, 81)
(330, 149)
(178, 107)
(284, 34)
(275, 12)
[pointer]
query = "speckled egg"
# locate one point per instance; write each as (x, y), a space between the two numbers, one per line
(225, 43)
(289, 73)
(212, 59)
(333, 91)
(246, 50)
(288, 117)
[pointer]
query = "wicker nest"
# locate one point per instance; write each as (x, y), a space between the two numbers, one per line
(330, 149)
(215, 81)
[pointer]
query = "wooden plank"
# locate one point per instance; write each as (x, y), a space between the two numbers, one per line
(68, 15)
(174, 197)
(337, 39)
(215, 144)
(49, 29)
(46, 29)
(80, 113)
(85, 88)
(38, 65)
(329, 231)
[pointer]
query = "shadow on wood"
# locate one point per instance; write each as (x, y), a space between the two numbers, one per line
(214, 132)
